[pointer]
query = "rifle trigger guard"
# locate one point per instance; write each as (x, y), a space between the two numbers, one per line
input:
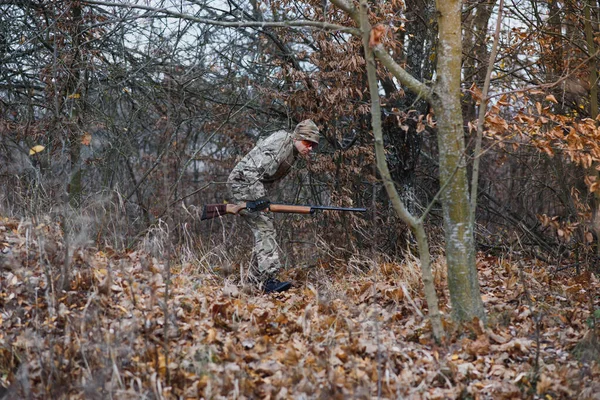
(258, 205)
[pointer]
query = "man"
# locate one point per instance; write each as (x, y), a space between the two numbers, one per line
(268, 162)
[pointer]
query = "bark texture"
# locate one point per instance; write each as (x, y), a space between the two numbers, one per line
(463, 282)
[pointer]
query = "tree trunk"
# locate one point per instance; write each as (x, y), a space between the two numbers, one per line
(445, 99)
(460, 245)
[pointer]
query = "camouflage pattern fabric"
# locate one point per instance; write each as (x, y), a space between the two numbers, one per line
(269, 161)
(307, 130)
(266, 250)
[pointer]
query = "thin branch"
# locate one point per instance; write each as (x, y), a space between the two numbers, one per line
(481, 116)
(193, 156)
(399, 207)
(421, 219)
(412, 84)
(230, 24)
(546, 85)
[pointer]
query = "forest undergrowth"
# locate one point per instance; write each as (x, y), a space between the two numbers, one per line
(127, 325)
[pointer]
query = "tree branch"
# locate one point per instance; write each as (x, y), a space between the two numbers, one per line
(415, 224)
(230, 24)
(414, 85)
(481, 116)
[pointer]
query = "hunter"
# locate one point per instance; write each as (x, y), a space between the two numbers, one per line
(268, 162)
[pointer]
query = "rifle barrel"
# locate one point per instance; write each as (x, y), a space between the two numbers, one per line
(338, 208)
(324, 208)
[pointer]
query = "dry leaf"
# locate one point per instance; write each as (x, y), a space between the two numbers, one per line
(376, 35)
(86, 139)
(36, 149)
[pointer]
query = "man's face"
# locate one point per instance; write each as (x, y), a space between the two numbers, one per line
(304, 147)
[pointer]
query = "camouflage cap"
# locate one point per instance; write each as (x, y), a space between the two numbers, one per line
(307, 130)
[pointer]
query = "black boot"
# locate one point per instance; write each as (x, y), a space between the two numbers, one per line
(273, 285)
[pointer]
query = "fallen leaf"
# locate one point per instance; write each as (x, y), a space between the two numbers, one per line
(86, 139)
(36, 149)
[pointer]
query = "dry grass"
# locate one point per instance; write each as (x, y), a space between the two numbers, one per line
(352, 329)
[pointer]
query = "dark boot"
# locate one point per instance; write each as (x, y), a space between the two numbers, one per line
(273, 285)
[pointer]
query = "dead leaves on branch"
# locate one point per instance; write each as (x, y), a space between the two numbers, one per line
(528, 119)
(358, 336)
(522, 119)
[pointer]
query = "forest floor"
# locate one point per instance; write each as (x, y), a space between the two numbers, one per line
(125, 329)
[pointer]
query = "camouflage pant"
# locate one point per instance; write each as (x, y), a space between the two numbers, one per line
(266, 249)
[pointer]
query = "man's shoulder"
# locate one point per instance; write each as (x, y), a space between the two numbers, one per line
(281, 133)
(275, 137)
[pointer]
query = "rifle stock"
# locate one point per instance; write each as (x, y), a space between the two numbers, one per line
(211, 211)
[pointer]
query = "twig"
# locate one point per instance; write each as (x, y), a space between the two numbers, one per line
(481, 117)
(411, 301)
(230, 24)
(546, 85)
(193, 156)
(536, 316)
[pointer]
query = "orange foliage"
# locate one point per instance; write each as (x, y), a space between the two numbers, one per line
(377, 33)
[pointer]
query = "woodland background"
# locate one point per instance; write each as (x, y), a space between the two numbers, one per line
(119, 121)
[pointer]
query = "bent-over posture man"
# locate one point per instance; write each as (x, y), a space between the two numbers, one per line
(268, 162)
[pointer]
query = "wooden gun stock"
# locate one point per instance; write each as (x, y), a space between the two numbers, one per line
(211, 211)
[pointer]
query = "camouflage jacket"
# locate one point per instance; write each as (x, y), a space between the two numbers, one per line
(269, 161)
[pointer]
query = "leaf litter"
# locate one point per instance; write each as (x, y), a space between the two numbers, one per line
(112, 332)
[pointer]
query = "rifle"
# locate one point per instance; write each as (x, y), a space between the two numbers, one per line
(216, 210)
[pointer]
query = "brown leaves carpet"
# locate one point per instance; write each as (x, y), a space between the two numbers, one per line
(111, 332)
